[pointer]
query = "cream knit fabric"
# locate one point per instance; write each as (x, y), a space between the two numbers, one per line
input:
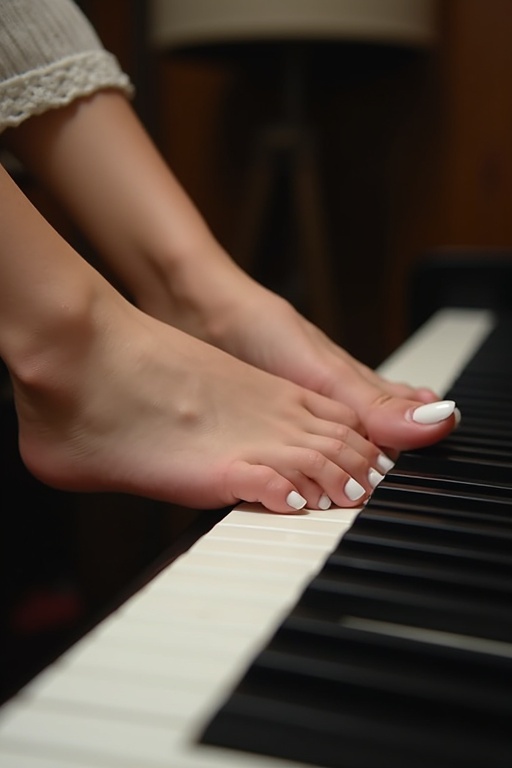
(49, 56)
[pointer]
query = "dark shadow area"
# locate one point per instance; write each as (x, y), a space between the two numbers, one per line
(458, 277)
(67, 560)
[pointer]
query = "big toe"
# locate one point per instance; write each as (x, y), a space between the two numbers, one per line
(405, 424)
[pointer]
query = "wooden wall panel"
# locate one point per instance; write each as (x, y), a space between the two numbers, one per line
(456, 191)
(477, 106)
(430, 165)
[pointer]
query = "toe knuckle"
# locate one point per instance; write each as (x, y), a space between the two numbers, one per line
(315, 461)
(338, 446)
(352, 419)
(341, 433)
(361, 467)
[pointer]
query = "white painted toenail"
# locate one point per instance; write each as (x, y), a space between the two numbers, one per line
(353, 490)
(295, 500)
(433, 413)
(374, 478)
(324, 502)
(384, 463)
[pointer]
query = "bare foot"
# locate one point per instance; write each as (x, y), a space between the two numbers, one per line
(153, 238)
(124, 402)
(277, 338)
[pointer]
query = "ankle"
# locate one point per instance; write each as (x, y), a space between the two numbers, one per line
(199, 297)
(44, 354)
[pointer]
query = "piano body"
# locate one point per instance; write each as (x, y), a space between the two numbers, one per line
(374, 660)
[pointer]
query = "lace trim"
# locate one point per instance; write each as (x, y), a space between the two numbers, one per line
(59, 84)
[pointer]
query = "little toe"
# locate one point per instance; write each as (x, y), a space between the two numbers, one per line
(259, 483)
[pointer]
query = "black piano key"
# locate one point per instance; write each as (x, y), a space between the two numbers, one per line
(478, 378)
(487, 395)
(410, 602)
(452, 585)
(454, 505)
(482, 421)
(479, 488)
(459, 530)
(418, 564)
(294, 732)
(414, 538)
(466, 445)
(475, 405)
(313, 718)
(458, 465)
(399, 652)
(493, 537)
(498, 445)
(484, 665)
(422, 671)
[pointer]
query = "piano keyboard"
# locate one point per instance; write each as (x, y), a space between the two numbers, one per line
(140, 689)
(399, 652)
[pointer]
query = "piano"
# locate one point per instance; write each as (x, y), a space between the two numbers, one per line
(361, 638)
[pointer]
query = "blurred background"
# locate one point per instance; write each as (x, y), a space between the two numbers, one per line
(409, 125)
(353, 155)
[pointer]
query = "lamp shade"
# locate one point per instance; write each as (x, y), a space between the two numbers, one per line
(189, 23)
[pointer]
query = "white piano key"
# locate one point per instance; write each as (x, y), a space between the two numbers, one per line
(189, 574)
(98, 690)
(147, 664)
(89, 737)
(192, 658)
(310, 521)
(136, 690)
(188, 756)
(95, 738)
(276, 550)
(13, 758)
(436, 354)
(242, 563)
(195, 611)
(184, 755)
(144, 627)
(272, 538)
(153, 634)
(244, 595)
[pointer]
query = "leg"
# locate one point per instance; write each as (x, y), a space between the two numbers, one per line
(109, 398)
(96, 156)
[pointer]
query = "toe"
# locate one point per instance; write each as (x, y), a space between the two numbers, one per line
(406, 424)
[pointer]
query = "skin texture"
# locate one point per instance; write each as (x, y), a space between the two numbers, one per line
(96, 157)
(206, 388)
(109, 398)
